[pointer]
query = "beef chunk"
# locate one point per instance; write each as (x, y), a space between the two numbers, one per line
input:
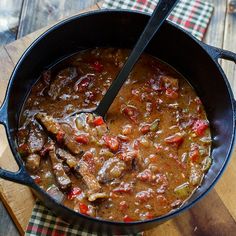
(62, 179)
(67, 157)
(36, 139)
(49, 123)
(63, 133)
(55, 193)
(112, 168)
(89, 178)
(63, 78)
(70, 141)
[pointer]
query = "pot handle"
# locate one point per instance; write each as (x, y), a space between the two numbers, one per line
(21, 175)
(217, 53)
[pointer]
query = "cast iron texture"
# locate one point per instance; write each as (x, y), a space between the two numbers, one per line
(114, 28)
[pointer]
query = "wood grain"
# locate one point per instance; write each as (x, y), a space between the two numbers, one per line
(9, 18)
(16, 206)
(226, 187)
(215, 32)
(208, 217)
(9, 227)
(16, 48)
(229, 44)
(38, 14)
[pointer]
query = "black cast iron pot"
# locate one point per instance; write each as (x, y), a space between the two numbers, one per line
(192, 58)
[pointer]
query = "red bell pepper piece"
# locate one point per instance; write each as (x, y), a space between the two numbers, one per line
(145, 129)
(200, 126)
(97, 66)
(73, 193)
(149, 216)
(131, 112)
(98, 121)
(60, 136)
(194, 154)
(83, 208)
(175, 139)
(111, 142)
(82, 138)
(127, 219)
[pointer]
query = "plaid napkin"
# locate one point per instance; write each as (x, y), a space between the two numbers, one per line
(43, 222)
(193, 16)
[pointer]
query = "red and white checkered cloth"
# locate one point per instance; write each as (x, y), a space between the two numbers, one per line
(193, 16)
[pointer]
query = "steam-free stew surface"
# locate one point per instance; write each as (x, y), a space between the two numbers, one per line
(145, 160)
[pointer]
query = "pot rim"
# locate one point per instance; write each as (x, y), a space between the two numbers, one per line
(33, 185)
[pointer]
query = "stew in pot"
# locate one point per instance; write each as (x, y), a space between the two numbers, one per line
(145, 159)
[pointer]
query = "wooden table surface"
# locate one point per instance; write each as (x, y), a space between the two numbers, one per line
(21, 17)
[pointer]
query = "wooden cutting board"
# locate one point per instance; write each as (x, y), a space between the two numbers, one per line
(213, 215)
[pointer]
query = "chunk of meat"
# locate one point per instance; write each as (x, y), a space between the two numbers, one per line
(49, 123)
(63, 78)
(67, 157)
(70, 140)
(90, 180)
(55, 193)
(56, 130)
(112, 168)
(46, 148)
(72, 146)
(36, 139)
(32, 162)
(62, 178)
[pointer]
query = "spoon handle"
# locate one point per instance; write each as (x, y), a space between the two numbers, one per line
(159, 15)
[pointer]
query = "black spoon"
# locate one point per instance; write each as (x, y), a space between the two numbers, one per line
(158, 17)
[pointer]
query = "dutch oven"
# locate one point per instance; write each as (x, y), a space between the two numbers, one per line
(195, 60)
